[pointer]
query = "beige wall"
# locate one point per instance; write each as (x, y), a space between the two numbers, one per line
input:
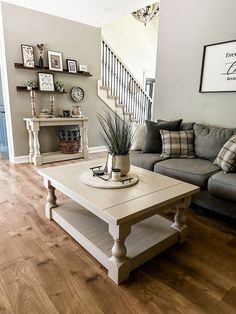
(75, 41)
(134, 43)
(185, 27)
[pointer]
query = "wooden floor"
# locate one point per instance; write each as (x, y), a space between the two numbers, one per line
(42, 270)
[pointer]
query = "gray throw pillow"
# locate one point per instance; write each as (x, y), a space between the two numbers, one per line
(209, 140)
(153, 143)
(185, 126)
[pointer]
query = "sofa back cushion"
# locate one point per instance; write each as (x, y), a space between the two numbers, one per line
(185, 126)
(153, 143)
(209, 140)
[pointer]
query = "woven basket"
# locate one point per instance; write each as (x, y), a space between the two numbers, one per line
(70, 147)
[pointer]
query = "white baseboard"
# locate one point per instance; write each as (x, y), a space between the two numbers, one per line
(19, 159)
(23, 159)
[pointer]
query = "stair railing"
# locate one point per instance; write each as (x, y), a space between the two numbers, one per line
(123, 85)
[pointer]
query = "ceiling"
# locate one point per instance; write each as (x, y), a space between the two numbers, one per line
(92, 12)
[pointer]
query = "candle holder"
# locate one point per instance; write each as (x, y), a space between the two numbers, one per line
(32, 98)
(52, 101)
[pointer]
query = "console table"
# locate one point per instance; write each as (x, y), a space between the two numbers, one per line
(33, 126)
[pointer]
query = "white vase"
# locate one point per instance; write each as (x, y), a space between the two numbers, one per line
(121, 162)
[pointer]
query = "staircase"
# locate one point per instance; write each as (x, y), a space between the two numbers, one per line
(119, 89)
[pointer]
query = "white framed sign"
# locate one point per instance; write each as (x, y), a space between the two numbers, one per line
(219, 68)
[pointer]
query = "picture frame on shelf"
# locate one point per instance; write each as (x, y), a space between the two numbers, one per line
(46, 82)
(55, 61)
(27, 56)
(71, 65)
(218, 73)
(83, 68)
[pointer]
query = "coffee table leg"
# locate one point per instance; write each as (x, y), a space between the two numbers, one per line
(51, 199)
(118, 269)
(180, 219)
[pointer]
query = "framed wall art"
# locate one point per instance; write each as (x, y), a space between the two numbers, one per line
(46, 82)
(55, 61)
(71, 65)
(218, 72)
(27, 56)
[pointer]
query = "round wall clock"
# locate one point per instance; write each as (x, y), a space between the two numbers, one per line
(77, 93)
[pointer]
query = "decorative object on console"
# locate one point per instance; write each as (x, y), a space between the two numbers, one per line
(116, 135)
(46, 81)
(83, 68)
(77, 93)
(30, 85)
(218, 72)
(177, 144)
(45, 114)
(52, 102)
(28, 56)
(147, 14)
(69, 141)
(32, 98)
(66, 113)
(40, 48)
(55, 61)
(77, 112)
(71, 66)
(226, 159)
(59, 86)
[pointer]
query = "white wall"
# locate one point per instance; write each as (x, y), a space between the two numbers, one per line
(134, 43)
(185, 27)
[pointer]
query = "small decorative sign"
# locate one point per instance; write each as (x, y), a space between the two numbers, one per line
(28, 56)
(46, 82)
(219, 68)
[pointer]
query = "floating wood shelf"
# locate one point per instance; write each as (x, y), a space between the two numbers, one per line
(24, 89)
(46, 69)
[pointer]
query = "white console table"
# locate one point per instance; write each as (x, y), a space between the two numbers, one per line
(33, 126)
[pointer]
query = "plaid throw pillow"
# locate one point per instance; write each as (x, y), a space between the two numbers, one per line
(177, 144)
(226, 159)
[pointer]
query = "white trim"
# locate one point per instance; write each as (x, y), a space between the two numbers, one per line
(5, 88)
(20, 159)
(97, 149)
(23, 159)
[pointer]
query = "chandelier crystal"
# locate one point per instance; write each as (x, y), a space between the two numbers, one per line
(148, 13)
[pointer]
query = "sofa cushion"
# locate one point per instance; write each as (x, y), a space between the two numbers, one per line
(177, 144)
(226, 159)
(153, 142)
(195, 171)
(209, 140)
(223, 185)
(139, 134)
(146, 161)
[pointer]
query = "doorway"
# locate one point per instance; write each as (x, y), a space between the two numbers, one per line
(3, 129)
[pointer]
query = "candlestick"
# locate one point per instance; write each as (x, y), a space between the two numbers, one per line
(32, 98)
(52, 100)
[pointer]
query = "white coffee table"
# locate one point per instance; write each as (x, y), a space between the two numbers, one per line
(121, 228)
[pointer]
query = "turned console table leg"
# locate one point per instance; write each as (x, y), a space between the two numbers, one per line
(119, 269)
(31, 142)
(180, 219)
(37, 159)
(84, 139)
(51, 199)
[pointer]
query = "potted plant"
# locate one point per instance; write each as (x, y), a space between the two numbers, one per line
(30, 85)
(59, 86)
(116, 135)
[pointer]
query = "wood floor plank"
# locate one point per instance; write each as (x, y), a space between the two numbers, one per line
(26, 294)
(5, 305)
(8, 250)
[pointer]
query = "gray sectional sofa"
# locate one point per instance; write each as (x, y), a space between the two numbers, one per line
(218, 189)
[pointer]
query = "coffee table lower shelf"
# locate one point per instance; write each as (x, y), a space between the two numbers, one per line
(147, 238)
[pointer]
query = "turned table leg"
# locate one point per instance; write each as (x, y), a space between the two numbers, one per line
(51, 199)
(31, 142)
(118, 269)
(180, 220)
(84, 139)
(37, 158)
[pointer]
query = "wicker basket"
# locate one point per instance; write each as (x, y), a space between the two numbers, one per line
(71, 147)
(69, 141)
